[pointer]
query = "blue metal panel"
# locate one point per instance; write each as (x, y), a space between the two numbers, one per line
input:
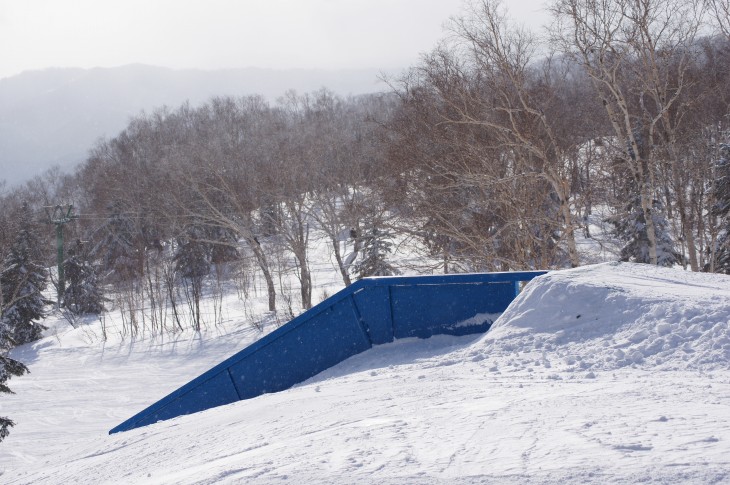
(373, 304)
(215, 390)
(426, 310)
(371, 311)
(330, 337)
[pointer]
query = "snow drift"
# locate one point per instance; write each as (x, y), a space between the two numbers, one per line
(614, 315)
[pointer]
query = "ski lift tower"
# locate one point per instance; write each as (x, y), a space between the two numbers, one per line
(62, 214)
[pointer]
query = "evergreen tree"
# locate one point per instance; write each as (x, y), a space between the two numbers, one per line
(630, 227)
(721, 209)
(8, 368)
(192, 258)
(22, 282)
(21, 302)
(118, 243)
(547, 251)
(83, 292)
(192, 262)
(375, 248)
(224, 249)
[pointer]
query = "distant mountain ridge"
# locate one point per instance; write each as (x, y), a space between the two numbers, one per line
(53, 116)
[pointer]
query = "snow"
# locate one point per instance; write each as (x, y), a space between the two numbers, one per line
(610, 373)
(478, 319)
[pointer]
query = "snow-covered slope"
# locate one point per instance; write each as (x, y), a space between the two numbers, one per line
(614, 373)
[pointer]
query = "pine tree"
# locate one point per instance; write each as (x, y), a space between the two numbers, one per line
(721, 209)
(8, 368)
(83, 293)
(376, 246)
(630, 227)
(192, 258)
(225, 250)
(192, 261)
(22, 282)
(117, 247)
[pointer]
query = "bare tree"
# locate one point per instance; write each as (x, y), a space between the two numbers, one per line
(720, 10)
(637, 53)
(524, 98)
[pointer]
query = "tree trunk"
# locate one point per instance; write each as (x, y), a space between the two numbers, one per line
(340, 263)
(569, 231)
(264, 265)
(688, 236)
(306, 287)
(646, 203)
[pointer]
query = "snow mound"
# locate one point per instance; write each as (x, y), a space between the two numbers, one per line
(613, 315)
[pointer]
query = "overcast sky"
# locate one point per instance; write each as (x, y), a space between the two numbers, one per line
(209, 34)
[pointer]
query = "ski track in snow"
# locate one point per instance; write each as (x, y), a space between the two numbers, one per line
(635, 389)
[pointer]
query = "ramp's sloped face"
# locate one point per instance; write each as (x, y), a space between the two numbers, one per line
(306, 350)
(203, 393)
(370, 312)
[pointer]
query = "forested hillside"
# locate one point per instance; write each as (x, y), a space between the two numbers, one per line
(495, 152)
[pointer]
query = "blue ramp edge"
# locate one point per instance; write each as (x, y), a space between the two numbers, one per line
(369, 312)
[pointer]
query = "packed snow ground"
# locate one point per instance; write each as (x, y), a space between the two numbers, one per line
(613, 373)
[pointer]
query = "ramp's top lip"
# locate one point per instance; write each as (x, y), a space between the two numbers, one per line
(449, 278)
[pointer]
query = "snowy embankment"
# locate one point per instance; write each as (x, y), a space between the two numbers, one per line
(614, 373)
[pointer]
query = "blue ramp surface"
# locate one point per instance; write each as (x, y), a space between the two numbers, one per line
(369, 312)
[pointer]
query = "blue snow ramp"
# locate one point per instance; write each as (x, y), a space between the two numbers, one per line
(369, 312)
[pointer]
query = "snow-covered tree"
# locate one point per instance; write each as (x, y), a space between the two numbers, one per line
(8, 368)
(83, 293)
(630, 226)
(721, 209)
(22, 282)
(376, 245)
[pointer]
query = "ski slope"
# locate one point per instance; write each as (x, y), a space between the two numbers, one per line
(611, 373)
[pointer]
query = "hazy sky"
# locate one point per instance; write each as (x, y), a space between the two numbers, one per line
(328, 34)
